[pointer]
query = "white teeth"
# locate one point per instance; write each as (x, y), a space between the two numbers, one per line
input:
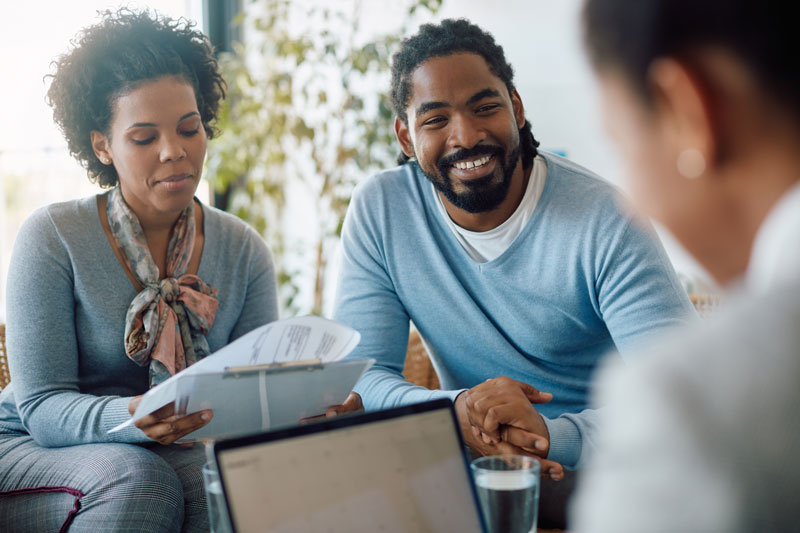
(463, 165)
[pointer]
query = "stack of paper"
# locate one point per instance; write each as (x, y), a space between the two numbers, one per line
(271, 377)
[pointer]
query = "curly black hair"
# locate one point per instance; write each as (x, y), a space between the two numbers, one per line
(107, 60)
(449, 37)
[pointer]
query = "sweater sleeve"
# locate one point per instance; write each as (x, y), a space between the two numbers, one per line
(638, 293)
(43, 349)
(367, 301)
(638, 296)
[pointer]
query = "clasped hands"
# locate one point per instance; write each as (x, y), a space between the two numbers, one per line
(498, 416)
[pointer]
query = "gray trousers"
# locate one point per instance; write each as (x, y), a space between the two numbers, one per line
(101, 487)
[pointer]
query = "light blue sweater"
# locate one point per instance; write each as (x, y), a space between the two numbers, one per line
(581, 279)
(67, 297)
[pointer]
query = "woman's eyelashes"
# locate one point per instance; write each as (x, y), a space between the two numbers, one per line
(142, 142)
(148, 140)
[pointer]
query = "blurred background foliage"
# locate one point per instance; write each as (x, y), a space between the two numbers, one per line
(307, 117)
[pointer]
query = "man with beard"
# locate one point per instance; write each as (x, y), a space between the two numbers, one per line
(518, 269)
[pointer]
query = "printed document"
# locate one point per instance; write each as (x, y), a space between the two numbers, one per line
(271, 377)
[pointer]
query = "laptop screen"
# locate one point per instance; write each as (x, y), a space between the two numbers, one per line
(398, 470)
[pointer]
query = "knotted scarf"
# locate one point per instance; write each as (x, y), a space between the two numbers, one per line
(166, 323)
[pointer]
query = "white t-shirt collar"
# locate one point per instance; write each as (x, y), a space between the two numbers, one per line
(484, 246)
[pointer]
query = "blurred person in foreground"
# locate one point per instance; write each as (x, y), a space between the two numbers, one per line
(703, 98)
(110, 295)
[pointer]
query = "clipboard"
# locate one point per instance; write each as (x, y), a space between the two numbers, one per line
(252, 399)
(242, 382)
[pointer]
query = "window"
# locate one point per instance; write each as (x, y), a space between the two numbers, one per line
(35, 167)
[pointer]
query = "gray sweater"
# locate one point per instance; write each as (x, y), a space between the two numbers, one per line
(67, 296)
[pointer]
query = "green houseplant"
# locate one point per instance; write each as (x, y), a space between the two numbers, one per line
(307, 114)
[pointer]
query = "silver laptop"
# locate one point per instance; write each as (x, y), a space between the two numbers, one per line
(399, 470)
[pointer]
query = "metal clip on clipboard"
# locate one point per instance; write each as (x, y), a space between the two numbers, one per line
(273, 368)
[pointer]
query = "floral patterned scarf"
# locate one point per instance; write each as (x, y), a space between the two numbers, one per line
(167, 321)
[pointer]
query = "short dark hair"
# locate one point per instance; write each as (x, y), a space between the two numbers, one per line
(116, 55)
(449, 37)
(628, 35)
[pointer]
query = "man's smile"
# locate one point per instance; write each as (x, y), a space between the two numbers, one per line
(479, 162)
(478, 166)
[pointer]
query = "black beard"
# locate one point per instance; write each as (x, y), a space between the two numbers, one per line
(482, 195)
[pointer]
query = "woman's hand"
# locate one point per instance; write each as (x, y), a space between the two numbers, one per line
(164, 427)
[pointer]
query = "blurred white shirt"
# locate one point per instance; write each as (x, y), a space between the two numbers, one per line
(775, 258)
(701, 435)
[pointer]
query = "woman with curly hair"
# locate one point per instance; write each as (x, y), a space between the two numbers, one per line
(110, 295)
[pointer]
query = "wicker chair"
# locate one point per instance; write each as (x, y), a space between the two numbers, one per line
(419, 370)
(5, 377)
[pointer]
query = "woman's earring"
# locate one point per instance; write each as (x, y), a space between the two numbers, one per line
(691, 163)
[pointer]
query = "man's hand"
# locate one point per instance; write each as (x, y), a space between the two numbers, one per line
(164, 427)
(497, 416)
(498, 403)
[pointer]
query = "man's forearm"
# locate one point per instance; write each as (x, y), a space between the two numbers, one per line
(383, 389)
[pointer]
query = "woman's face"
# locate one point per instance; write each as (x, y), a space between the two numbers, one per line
(157, 145)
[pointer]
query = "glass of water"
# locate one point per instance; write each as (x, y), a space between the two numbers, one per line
(508, 491)
(217, 511)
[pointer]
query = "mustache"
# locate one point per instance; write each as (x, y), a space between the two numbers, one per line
(469, 153)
